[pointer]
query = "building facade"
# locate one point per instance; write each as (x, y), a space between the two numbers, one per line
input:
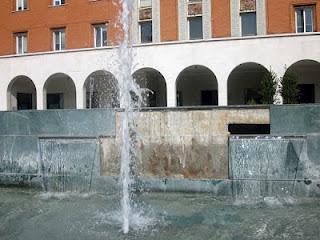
(63, 53)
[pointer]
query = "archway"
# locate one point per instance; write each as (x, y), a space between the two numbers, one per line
(21, 94)
(154, 84)
(101, 90)
(244, 84)
(307, 74)
(59, 92)
(197, 85)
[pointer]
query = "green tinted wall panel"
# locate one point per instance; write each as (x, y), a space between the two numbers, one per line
(295, 119)
(89, 123)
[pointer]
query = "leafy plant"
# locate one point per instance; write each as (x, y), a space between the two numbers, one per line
(289, 88)
(268, 87)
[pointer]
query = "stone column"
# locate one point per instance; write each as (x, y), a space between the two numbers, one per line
(182, 19)
(135, 23)
(3, 99)
(80, 98)
(171, 94)
(41, 98)
(155, 20)
(235, 17)
(261, 17)
(206, 19)
(222, 88)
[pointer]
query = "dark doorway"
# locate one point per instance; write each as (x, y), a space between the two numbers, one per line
(24, 101)
(306, 93)
(209, 97)
(55, 101)
(249, 129)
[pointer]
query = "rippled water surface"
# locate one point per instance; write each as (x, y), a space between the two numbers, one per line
(27, 214)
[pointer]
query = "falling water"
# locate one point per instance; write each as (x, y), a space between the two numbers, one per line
(130, 101)
(91, 88)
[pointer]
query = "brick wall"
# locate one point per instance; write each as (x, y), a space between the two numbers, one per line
(169, 20)
(76, 16)
(281, 15)
(221, 26)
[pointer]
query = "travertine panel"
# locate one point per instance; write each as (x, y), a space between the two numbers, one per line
(247, 5)
(183, 143)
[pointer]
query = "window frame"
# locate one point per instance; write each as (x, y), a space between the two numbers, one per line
(23, 4)
(304, 18)
(23, 37)
(102, 25)
(61, 39)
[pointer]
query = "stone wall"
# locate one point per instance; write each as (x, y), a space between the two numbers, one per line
(188, 143)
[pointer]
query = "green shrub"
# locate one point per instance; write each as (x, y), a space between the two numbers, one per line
(289, 88)
(268, 87)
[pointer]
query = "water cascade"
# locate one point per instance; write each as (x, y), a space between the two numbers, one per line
(130, 96)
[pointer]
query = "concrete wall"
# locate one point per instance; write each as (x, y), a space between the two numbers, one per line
(187, 143)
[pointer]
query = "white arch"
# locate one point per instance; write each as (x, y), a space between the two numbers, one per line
(30, 88)
(64, 89)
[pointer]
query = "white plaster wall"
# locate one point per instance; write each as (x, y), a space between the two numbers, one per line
(221, 56)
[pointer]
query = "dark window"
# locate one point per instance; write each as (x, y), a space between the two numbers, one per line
(55, 101)
(248, 24)
(195, 28)
(24, 101)
(249, 129)
(146, 31)
(306, 93)
(304, 19)
(209, 97)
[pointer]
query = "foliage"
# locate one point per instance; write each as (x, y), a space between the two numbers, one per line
(251, 102)
(268, 87)
(289, 88)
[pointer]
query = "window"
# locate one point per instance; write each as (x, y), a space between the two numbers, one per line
(248, 23)
(304, 19)
(21, 43)
(195, 28)
(21, 5)
(58, 2)
(100, 35)
(146, 32)
(145, 21)
(58, 39)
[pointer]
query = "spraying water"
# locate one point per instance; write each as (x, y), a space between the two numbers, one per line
(130, 96)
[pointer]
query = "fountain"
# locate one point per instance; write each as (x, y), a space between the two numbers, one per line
(67, 157)
(130, 96)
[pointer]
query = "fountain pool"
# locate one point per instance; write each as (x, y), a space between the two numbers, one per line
(28, 214)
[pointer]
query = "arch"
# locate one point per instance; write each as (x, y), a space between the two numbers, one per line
(155, 85)
(197, 85)
(307, 73)
(59, 92)
(244, 83)
(21, 94)
(101, 90)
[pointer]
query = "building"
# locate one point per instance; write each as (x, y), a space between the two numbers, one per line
(62, 53)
